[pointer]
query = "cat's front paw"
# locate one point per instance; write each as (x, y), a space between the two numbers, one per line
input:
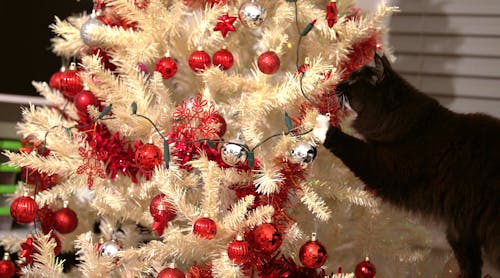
(321, 127)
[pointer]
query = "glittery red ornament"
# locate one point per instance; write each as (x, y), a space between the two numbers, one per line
(166, 66)
(205, 228)
(218, 120)
(268, 62)
(365, 269)
(162, 212)
(171, 272)
(237, 250)
(71, 84)
(148, 156)
(223, 58)
(83, 99)
(267, 238)
(332, 13)
(199, 60)
(313, 254)
(23, 209)
(225, 24)
(7, 267)
(65, 220)
(55, 79)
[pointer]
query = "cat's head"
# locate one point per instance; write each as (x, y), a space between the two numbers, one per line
(368, 90)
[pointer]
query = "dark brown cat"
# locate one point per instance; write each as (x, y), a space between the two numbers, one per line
(422, 157)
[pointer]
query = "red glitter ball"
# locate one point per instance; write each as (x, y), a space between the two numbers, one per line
(83, 99)
(167, 67)
(237, 250)
(268, 62)
(171, 273)
(23, 209)
(365, 269)
(148, 156)
(71, 84)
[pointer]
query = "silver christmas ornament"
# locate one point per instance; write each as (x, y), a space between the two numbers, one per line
(232, 153)
(303, 153)
(252, 14)
(88, 28)
(109, 248)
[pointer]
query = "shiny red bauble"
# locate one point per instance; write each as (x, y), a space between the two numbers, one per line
(55, 79)
(313, 254)
(65, 220)
(167, 67)
(159, 207)
(217, 120)
(267, 238)
(268, 62)
(171, 273)
(205, 228)
(237, 250)
(84, 99)
(365, 269)
(23, 209)
(223, 58)
(7, 267)
(148, 156)
(70, 82)
(199, 60)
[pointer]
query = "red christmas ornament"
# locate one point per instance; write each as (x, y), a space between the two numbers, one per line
(171, 272)
(223, 59)
(205, 228)
(83, 99)
(23, 209)
(166, 66)
(148, 156)
(71, 84)
(199, 60)
(332, 13)
(267, 238)
(141, 4)
(65, 220)
(313, 254)
(225, 24)
(55, 79)
(237, 250)
(7, 267)
(268, 62)
(365, 269)
(162, 212)
(217, 120)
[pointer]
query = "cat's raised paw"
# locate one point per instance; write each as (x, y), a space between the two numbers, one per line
(321, 127)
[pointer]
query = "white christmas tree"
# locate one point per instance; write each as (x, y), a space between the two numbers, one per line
(182, 128)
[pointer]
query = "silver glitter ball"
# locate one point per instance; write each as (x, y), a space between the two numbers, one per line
(88, 28)
(303, 153)
(232, 153)
(252, 14)
(109, 248)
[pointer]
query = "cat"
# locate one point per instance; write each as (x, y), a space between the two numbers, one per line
(423, 158)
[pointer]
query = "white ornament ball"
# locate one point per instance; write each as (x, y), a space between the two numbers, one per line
(252, 14)
(232, 153)
(109, 248)
(88, 29)
(303, 153)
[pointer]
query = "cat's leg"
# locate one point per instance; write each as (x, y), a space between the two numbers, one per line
(467, 250)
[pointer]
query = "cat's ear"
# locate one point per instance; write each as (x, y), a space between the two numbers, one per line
(382, 67)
